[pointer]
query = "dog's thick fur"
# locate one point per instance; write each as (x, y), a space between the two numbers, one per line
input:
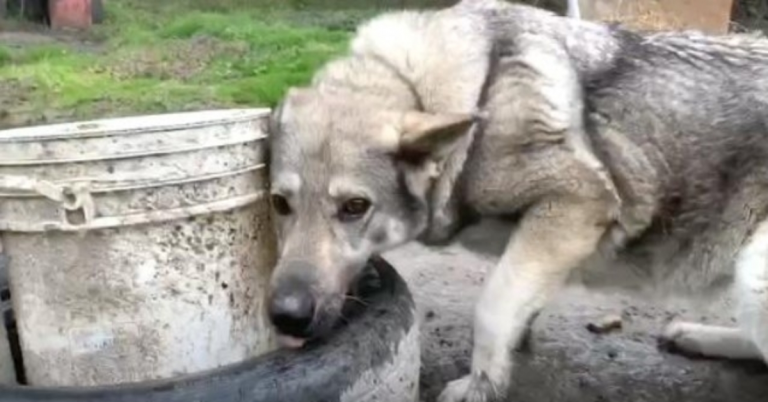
(633, 160)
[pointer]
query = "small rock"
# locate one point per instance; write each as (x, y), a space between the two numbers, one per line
(607, 324)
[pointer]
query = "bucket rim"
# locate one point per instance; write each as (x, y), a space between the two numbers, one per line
(127, 125)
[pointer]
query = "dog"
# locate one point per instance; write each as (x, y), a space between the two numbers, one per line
(628, 160)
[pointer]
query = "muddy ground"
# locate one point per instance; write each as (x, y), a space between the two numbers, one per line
(564, 362)
(15, 108)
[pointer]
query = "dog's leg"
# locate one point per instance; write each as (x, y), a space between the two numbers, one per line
(552, 239)
(752, 289)
(750, 340)
(690, 338)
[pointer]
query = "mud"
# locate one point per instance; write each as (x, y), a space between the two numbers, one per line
(563, 360)
(16, 107)
(180, 60)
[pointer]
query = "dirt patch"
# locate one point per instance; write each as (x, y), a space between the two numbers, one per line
(180, 60)
(20, 34)
(564, 361)
(13, 97)
(15, 108)
(20, 39)
(17, 111)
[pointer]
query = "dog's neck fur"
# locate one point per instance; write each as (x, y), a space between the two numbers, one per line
(407, 55)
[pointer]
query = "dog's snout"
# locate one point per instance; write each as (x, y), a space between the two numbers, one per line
(292, 310)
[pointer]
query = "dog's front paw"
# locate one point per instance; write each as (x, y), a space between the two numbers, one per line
(472, 388)
(681, 338)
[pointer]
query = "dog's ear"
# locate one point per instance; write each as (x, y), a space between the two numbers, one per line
(273, 119)
(428, 136)
(297, 95)
(293, 96)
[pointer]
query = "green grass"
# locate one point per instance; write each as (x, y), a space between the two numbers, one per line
(176, 55)
(5, 56)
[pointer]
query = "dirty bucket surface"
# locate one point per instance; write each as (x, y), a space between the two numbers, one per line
(140, 247)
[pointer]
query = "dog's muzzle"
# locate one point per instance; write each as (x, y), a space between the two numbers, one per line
(292, 307)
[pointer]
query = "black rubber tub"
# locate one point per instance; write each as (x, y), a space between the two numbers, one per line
(373, 357)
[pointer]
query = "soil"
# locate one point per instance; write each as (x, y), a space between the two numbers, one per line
(15, 108)
(563, 360)
(181, 61)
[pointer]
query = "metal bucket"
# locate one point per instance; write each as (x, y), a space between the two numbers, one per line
(140, 248)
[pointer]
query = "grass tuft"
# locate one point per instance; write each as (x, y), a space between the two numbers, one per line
(5, 56)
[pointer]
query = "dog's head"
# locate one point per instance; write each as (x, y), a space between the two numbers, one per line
(348, 181)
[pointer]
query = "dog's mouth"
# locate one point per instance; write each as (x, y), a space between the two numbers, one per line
(354, 304)
(290, 342)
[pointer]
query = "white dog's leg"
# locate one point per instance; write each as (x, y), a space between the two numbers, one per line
(551, 240)
(750, 339)
(710, 341)
(752, 289)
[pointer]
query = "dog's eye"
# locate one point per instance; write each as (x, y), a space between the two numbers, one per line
(354, 208)
(280, 204)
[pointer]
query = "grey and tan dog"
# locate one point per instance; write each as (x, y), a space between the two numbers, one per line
(632, 160)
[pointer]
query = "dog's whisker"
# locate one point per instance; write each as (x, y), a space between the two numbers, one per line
(356, 299)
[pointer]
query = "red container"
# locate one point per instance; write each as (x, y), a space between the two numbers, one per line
(77, 14)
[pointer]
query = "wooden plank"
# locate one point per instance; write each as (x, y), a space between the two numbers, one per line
(712, 16)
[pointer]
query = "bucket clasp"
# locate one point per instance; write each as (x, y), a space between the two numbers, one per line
(76, 201)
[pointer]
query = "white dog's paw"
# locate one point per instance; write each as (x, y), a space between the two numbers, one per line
(682, 338)
(472, 388)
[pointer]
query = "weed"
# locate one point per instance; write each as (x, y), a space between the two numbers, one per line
(5, 56)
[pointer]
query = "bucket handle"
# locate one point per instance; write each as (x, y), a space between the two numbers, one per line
(73, 198)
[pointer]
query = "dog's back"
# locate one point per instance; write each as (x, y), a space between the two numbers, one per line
(679, 119)
(691, 112)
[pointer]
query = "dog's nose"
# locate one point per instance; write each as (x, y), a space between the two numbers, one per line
(292, 310)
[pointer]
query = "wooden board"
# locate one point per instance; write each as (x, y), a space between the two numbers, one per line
(712, 16)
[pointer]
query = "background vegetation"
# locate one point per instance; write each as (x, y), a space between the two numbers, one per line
(186, 54)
